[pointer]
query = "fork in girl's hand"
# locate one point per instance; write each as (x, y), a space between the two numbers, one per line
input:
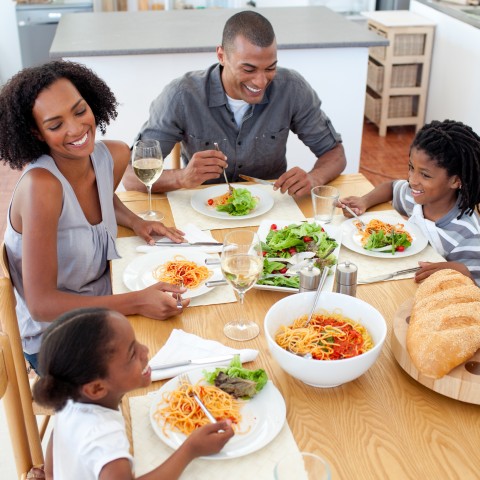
(179, 298)
(185, 383)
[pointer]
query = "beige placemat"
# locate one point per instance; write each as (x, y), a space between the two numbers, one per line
(126, 247)
(149, 451)
(284, 207)
(373, 266)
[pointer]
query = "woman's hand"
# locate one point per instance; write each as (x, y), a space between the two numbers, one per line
(156, 301)
(357, 204)
(145, 229)
(427, 268)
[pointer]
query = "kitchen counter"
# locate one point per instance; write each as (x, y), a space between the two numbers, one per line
(456, 11)
(138, 53)
(193, 31)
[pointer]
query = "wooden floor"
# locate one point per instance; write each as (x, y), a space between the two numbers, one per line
(382, 158)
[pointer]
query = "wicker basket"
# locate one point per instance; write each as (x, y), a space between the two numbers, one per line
(402, 76)
(403, 44)
(401, 106)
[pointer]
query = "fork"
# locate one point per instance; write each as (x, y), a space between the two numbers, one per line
(230, 188)
(179, 298)
(185, 383)
(351, 212)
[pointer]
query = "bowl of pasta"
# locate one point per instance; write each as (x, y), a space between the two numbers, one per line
(342, 341)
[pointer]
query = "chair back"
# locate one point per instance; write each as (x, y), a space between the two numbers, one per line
(9, 324)
(10, 395)
(175, 156)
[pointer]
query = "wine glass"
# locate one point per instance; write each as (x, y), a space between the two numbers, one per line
(147, 163)
(242, 264)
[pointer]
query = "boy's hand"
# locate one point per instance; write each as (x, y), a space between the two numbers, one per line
(357, 204)
(210, 438)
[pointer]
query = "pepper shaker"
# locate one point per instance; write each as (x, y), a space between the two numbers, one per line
(309, 278)
(346, 278)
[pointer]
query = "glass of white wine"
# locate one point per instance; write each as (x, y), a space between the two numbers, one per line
(242, 264)
(147, 163)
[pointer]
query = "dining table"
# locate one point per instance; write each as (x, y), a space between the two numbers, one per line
(383, 425)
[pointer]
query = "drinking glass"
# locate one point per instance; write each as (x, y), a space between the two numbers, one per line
(324, 200)
(242, 264)
(302, 466)
(147, 163)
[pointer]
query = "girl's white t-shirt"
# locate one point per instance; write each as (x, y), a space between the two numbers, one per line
(85, 438)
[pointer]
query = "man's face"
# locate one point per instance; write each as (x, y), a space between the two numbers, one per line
(247, 69)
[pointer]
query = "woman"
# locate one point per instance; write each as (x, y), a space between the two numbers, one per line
(63, 216)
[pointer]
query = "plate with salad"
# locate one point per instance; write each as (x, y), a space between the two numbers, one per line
(284, 240)
(385, 236)
(245, 202)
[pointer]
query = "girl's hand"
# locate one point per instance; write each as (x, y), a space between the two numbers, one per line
(159, 304)
(357, 204)
(145, 229)
(209, 439)
(427, 268)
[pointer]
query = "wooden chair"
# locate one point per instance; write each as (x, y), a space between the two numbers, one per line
(9, 324)
(17, 423)
(175, 155)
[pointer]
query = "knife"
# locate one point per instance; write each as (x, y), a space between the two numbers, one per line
(256, 180)
(197, 361)
(388, 276)
(159, 243)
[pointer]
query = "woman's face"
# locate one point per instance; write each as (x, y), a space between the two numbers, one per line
(64, 121)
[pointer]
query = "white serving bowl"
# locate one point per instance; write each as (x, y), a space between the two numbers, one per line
(324, 373)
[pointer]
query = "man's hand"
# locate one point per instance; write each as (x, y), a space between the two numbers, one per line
(203, 166)
(296, 182)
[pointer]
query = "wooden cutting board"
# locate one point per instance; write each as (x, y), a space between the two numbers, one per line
(462, 383)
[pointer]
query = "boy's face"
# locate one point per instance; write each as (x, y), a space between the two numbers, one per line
(431, 186)
(247, 69)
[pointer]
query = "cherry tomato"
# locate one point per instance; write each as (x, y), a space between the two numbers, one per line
(400, 248)
(283, 270)
(292, 250)
(307, 239)
(264, 254)
(210, 201)
(273, 226)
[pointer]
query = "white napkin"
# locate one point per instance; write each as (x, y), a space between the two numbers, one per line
(192, 234)
(186, 346)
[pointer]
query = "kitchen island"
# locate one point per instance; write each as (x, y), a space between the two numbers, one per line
(138, 53)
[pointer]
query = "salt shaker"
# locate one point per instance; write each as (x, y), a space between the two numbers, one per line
(346, 278)
(309, 278)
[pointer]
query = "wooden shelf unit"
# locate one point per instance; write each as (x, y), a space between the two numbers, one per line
(398, 74)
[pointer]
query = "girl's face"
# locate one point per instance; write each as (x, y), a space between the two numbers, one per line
(128, 367)
(64, 121)
(431, 186)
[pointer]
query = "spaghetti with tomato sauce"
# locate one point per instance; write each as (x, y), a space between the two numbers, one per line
(329, 336)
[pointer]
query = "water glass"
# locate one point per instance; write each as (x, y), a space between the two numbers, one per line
(302, 466)
(324, 200)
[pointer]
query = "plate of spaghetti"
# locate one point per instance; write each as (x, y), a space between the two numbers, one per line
(177, 266)
(328, 336)
(206, 200)
(385, 236)
(256, 422)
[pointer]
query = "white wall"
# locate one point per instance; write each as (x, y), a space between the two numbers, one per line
(10, 60)
(454, 89)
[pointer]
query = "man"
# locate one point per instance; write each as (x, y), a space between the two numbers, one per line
(246, 105)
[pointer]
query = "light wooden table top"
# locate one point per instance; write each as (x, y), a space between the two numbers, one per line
(383, 425)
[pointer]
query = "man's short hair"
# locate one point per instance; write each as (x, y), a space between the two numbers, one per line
(251, 25)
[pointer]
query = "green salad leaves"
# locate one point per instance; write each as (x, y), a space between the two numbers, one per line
(236, 380)
(239, 203)
(388, 243)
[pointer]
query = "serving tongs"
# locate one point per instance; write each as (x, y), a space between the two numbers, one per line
(230, 188)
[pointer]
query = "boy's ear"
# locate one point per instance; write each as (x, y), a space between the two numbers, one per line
(456, 182)
(94, 390)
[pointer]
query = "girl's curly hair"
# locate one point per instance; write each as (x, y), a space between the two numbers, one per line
(18, 145)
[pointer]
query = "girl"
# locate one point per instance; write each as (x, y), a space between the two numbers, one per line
(441, 196)
(89, 359)
(63, 216)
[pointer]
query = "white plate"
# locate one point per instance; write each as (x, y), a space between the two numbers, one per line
(200, 197)
(139, 273)
(264, 416)
(333, 232)
(351, 239)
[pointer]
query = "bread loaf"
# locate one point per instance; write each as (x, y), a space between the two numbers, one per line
(444, 329)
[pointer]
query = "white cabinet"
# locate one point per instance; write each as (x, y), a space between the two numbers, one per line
(398, 75)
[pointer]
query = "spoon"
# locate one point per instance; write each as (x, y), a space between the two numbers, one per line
(230, 188)
(317, 294)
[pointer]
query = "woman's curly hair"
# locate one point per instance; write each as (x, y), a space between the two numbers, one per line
(18, 144)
